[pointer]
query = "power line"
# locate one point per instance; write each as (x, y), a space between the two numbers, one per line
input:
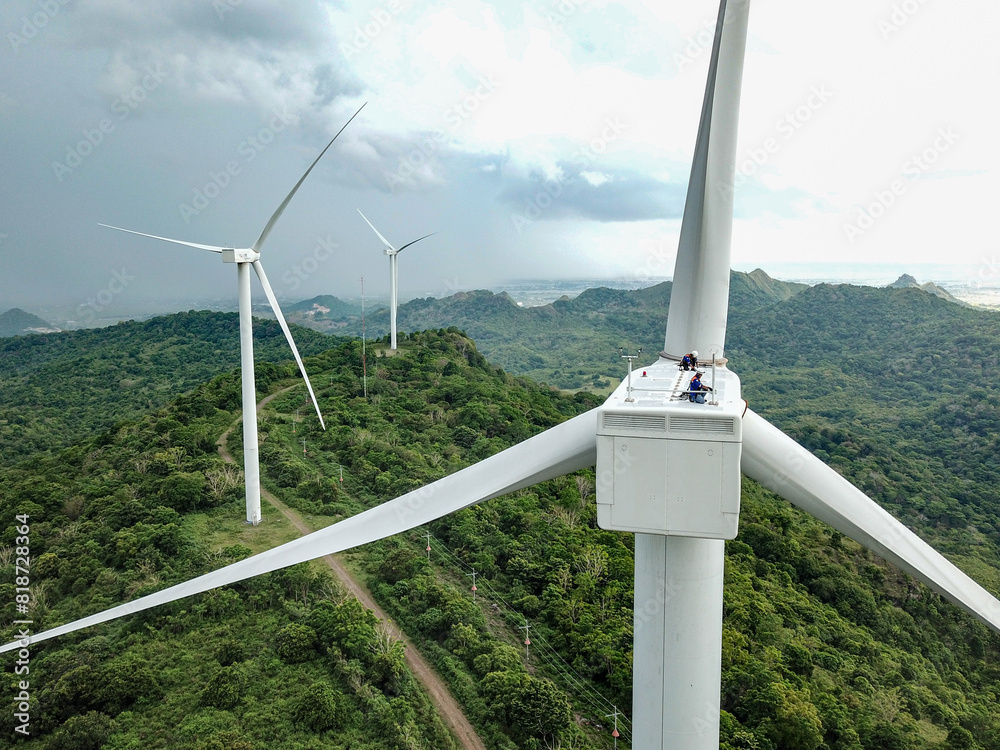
(544, 651)
(577, 684)
(513, 617)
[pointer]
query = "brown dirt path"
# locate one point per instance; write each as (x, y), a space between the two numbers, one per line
(446, 705)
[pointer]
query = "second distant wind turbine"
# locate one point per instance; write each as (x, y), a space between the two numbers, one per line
(392, 252)
(244, 258)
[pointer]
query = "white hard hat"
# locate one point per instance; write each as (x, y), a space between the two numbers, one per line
(694, 353)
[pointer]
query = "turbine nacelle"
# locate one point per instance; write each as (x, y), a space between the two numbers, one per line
(667, 465)
(240, 255)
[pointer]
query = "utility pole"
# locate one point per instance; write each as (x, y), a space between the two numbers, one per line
(527, 638)
(629, 357)
(616, 714)
(472, 575)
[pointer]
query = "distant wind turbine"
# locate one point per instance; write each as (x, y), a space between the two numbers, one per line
(244, 258)
(392, 252)
(668, 469)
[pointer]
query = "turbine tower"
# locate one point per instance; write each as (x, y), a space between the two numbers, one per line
(245, 258)
(392, 252)
(668, 470)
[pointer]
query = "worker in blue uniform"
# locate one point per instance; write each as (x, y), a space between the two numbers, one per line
(697, 389)
(690, 361)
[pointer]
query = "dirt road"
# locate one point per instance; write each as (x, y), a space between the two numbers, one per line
(446, 705)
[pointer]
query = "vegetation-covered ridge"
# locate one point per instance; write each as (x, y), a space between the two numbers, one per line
(571, 343)
(284, 660)
(17, 322)
(56, 389)
(825, 645)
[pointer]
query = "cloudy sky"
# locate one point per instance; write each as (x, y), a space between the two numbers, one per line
(539, 139)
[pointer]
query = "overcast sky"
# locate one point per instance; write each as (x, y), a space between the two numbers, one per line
(539, 139)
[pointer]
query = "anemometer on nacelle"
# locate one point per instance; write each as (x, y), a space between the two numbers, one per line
(667, 465)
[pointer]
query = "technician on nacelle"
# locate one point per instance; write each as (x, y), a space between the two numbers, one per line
(697, 389)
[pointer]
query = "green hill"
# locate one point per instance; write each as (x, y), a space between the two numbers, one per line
(826, 646)
(59, 388)
(330, 314)
(907, 282)
(569, 343)
(17, 322)
(326, 305)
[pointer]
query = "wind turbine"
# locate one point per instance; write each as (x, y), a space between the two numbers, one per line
(244, 258)
(392, 252)
(667, 469)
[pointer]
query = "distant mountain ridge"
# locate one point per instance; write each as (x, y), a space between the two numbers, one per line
(327, 305)
(328, 314)
(562, 343)
(17, 322)
(908, 282)
(56, 388)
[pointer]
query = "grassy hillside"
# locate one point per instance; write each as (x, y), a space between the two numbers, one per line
(570, 343)
(825, 645)
(899, 390)
(58, 388)
(285, 660)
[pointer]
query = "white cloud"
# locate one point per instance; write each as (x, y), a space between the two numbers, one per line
(596, 179)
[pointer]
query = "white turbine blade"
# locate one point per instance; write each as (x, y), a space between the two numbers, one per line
(288, 334)
(281, 209)
(567, 447)
(384, 240)
(699, 297)
(415, 242)
(212, 248)
(786, 468)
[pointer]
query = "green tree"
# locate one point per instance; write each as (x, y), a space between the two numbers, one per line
(319, 708)
(88, 731)
(527, 706)
(226, 687)
(296, 643)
